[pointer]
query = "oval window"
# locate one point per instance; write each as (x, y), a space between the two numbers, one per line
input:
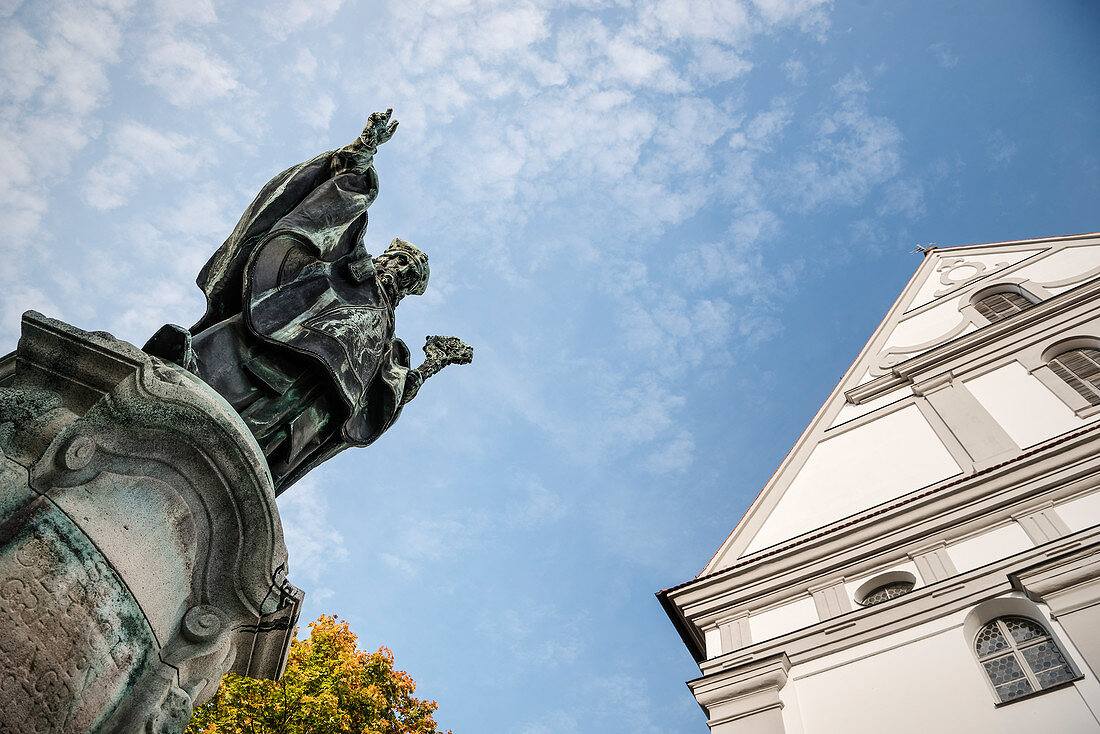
(885, 592)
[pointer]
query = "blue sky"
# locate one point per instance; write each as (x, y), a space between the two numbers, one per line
(667, 227)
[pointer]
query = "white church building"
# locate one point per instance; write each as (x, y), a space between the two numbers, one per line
(925, 559)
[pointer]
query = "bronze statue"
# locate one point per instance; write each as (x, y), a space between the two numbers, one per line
(298, 334)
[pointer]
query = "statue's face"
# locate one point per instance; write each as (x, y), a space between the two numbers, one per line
(403, 269)
(408, 265)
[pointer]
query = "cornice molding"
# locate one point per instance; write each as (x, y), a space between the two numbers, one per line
(907, 524)
(725, 685)
(749, 690)
(1067, 582)
(1020, 572)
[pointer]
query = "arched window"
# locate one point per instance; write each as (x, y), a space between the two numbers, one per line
(997, 306)
(1080, 369)
(1020, 657)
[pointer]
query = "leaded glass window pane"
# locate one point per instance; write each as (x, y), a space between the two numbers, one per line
(1023, 629)
(990, 640)
(1004, 669)
(1019, 656)
(1047, 663)
(1015, 689)
(1080, 369)
(997, 306)
(887, 592)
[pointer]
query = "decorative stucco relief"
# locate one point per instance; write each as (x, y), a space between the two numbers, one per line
(957, 271)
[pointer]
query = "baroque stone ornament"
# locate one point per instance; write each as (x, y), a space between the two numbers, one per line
(957, 271)
(298, 334)
(141, 553)
(141, 550)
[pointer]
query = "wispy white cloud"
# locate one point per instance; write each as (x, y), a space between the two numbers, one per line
(283, 17)
(535, 505)
(810, 15)
(941, 51)
(54, 61)
(423, 538)
(1001, 149)
(312, 541)
(535, 635)
(903, 197)
(186, 72)
(20, 297)
(601, 105)
(672, 457)
(558, 722)
(158, 253)
(170, 14)
(764, 130)
(139, 153)
(796, 71)
(318, 113)
(616, 702)
(852, 152)
(305, 64)
(626, 699)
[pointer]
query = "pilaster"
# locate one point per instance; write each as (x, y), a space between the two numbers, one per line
(980, 435)
(1042, 525)
(933, 563)
(735, 633)
(831, 600)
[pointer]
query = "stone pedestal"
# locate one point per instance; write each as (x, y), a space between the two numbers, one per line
(141, 552)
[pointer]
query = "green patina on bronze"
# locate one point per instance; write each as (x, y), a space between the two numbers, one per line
(298, 334)
(58, 584)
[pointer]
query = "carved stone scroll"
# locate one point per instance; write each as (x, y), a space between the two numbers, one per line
(141, 552)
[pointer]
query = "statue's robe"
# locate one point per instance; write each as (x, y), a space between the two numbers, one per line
(295, 274)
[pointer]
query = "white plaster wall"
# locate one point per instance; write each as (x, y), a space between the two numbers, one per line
(782, 619)
(1070, 262)
(932, 684)
(927, 291)
(935, 324)
(792, 714)
(858, 469)
(1028, 411)
(852, 585)
(850, 412)
(988, 547)
(1081, 512)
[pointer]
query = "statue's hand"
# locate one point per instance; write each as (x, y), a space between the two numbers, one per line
(379, 129)
(440, 351)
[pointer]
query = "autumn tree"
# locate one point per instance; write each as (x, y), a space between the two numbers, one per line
(329, 687)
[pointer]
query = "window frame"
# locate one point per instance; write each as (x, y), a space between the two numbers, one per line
(1016, 606)
(970, 306)
(993, 315)
(877, 581)
(1037, 361)
(1085, 382)
(1016, 650)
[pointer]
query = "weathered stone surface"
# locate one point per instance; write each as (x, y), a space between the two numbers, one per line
(141, 553)
(72, 638)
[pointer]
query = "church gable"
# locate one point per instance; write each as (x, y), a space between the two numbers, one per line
(880, 436)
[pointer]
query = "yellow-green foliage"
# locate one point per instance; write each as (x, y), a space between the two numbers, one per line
(329, 687)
